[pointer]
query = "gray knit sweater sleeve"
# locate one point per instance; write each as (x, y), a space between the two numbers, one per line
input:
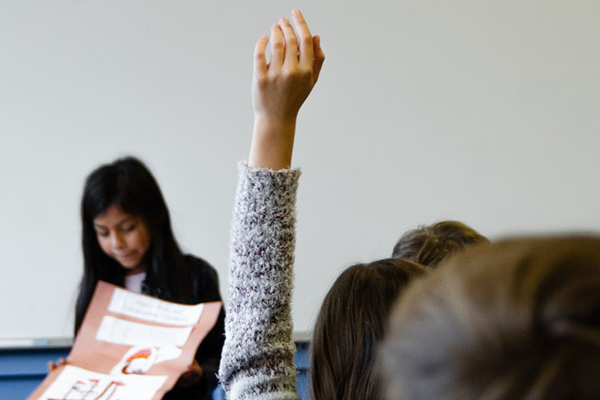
(258, 356)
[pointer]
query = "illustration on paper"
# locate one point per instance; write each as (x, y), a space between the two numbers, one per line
(139, 359)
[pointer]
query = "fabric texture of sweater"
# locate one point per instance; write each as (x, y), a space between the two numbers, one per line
(258, 355)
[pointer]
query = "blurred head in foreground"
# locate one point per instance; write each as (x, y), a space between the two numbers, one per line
(516, 320)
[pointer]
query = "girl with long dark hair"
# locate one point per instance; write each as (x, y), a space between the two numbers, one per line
(128, 241)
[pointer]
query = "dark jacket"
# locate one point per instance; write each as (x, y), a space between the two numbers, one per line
(205, 288)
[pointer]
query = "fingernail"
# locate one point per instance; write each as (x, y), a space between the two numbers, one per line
(284, 20)
(296, 12)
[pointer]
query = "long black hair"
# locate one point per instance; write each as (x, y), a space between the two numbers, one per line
(128, 183)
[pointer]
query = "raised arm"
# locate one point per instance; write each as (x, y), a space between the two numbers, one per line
(258, 356)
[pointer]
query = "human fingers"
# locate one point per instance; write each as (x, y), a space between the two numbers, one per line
(277, 47)
(192, 376)
(260, 59)
(61, 362)
(305, 38)
(319, 57)
(291, 43)
(196, 368)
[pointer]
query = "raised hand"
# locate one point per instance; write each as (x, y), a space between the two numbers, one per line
(280, 87)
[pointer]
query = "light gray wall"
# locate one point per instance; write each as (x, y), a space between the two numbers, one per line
(487, 112)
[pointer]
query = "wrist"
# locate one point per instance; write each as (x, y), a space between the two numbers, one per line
(272, 143)
(265, 124)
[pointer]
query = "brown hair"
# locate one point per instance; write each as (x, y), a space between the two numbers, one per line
(429, 245)
(512, 321)
(351, 324)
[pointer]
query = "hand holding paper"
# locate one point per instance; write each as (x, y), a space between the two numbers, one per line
(131, 347)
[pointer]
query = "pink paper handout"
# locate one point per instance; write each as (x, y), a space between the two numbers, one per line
(130, 347)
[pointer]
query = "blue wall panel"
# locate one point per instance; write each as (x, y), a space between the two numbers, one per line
(22, 370)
